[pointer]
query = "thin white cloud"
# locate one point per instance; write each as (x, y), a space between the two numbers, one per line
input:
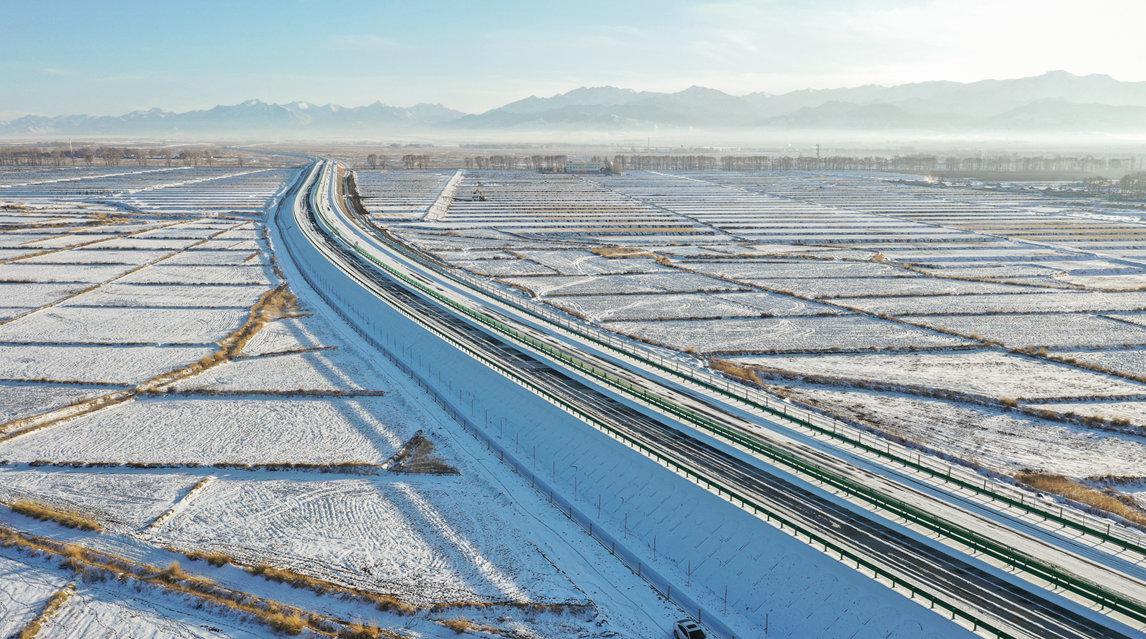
(818, 45)
(362, 43)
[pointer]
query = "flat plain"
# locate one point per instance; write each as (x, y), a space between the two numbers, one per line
(127, 400)
(1001, 329)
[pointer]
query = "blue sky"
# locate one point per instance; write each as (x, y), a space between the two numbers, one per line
(110, 57)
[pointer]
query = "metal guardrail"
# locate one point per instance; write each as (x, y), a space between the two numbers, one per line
(834, 429)
(764, 401)
(1022, 561)
(644, 570)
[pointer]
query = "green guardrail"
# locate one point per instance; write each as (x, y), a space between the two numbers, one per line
(759, 508)
(1022, 561)
(1034, 509)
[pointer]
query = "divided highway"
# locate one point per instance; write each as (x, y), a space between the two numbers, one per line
(865, 521)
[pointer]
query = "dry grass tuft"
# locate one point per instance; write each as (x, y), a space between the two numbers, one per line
(417, 456)
(732, 369)
(97, 564)
(213, 557)
(459, 625)
(1075, 491)
(291, 623)
(53, 606)
(44, 512)
(173, 572)
(388, 603)
(359, 631)
(620, 251)
(272, 305)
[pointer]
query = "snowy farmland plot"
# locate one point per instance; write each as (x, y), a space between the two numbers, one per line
(121, 400)
(1012, 323)
(551, 286)
(104, 325)
(35, 294)
(24, 590)
(127, 500)
(784, 334)
(653, 306)
(22, 399)
(170, 296)
(998, 375)
(231, 431)
(190, 275)
(999, 440)
(95, 610)
(157, 377)
(1057, 330)
(93, 363)
(422, 539)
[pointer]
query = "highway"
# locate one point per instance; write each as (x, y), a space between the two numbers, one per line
(865, 530)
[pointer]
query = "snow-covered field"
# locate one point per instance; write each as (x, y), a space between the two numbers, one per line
(323, 371)
(504, 268)
(24, 589)
(828, 288)
(181, 467)
(736, 256)
(212, 430)
(125, 500)
(1042, 302)
(644, 306)
(83, 273)
(997, 374)
(93, 363)
(97, 325)
(1129, 362)
(107, 256)
(1000, 440)
(438, 541)
(286, 335)
(158, 296)
(802, 269)
(302, 392)
(1057, 330)
(615, 284)
(24, 399)
(579, 262)
(1133, 412)
(105, 613)
(183, 274)
(34, 294)
(784, 334)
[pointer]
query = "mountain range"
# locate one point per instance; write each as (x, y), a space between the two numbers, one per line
(1055, 102)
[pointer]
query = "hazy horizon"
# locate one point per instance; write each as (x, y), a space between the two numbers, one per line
(561, 92)
(476, 57)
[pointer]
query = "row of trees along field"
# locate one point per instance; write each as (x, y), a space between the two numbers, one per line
(906, 163)
(548, 163)
(408, 161)
(118, 155)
